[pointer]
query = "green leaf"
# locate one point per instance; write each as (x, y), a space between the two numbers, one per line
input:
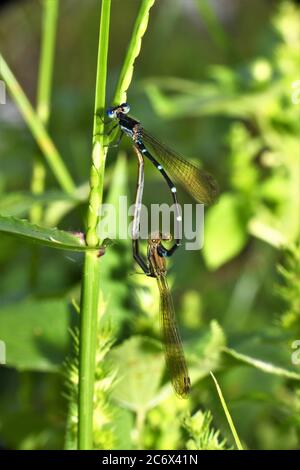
(35, 334)
(140, 364)
(202, 435)
(52, 237)
(17, 204)
(265, 366)
(225, 231)
(205, 99)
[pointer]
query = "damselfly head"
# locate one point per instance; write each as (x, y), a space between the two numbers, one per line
(125, 108)
(154, 239)
(113, 113)
(157, 237)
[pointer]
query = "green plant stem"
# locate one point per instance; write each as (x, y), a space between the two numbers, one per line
(140, 424)
(91, 274)
(43, 96)
(133, 51)
(37, 128)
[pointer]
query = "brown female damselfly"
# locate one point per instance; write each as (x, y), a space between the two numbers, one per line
(174, 354)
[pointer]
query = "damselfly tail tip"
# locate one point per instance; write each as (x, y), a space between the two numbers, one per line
(183, 389)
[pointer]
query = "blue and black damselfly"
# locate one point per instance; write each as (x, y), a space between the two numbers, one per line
(155, 266)
(174, 354)
(201, 185)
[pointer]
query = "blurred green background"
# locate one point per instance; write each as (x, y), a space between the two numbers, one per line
(216, 80)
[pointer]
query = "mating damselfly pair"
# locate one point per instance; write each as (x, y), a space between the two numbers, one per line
(202, 188)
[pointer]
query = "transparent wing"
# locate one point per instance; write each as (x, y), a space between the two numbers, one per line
(174, 354)
(201, 185)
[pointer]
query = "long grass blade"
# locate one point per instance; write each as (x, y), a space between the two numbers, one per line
(228, 416)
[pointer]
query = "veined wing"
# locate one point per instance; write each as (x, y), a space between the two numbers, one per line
(174, 354)
(201, 185)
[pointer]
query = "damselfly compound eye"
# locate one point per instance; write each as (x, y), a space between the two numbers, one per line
(125, 108)
(111, 113)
